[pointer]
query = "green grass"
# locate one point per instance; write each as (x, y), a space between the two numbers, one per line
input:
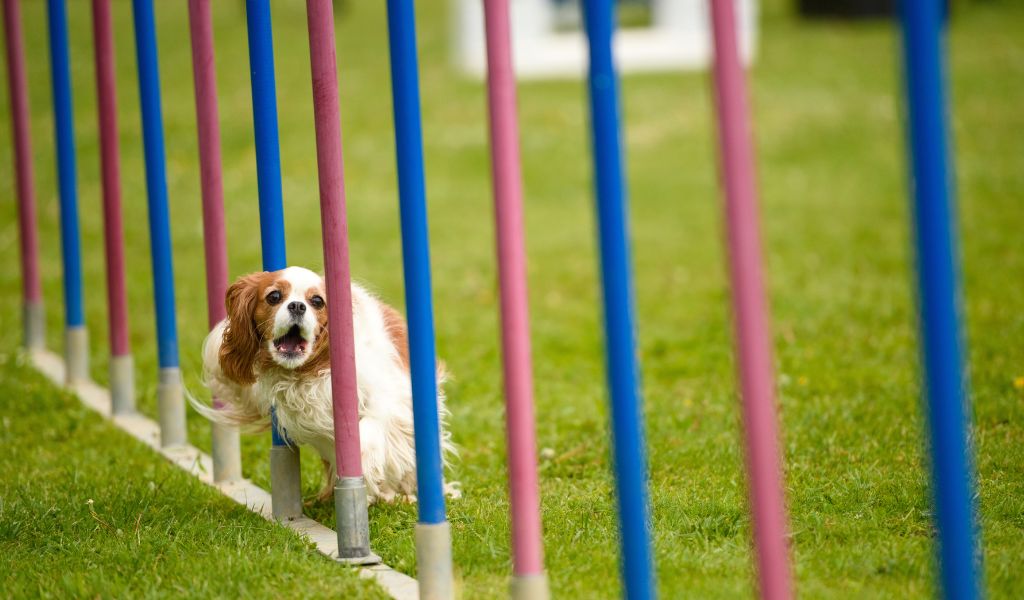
(826, 101)
(99, 514)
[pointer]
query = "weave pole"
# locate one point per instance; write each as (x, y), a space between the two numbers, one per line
(350, 490)
(170, 400)
(285, 476)
(529, 582)
(122, 378)
(620, 344)
(750, 308)
(76, 337)
(433, 533)
(939, 298)
(227, 459)
(34, 317)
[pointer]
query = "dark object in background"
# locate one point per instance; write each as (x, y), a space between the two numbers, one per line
(856, 9)
(847, 9)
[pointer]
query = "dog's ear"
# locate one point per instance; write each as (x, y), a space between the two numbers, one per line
(241, 337)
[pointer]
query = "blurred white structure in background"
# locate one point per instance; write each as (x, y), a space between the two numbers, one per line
(653, 35)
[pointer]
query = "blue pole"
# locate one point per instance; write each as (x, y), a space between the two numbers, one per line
(939, 297)
(285, 476)
(156, 183)
(620, 345)
(433, 533)
(416, 258)
(268, 151)
(74, 315)
(170, 398)
(268, 147)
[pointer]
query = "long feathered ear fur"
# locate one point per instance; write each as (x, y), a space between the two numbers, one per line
(241, 338)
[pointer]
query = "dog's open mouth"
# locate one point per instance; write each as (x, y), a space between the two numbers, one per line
(291, 343)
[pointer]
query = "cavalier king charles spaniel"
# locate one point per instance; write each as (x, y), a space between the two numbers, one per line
(272, 352)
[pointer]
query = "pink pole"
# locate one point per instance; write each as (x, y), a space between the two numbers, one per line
(110, 172)
(227, 458)
(753, 340)
(18, 86)
(214, 237)
(335, 232)
(527, 546)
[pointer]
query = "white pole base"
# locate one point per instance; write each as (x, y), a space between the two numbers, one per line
(227, 456)
(122, 385)
(434, 561)
(171, 408)
(285, 483)
(34, 320)
(530, 587)
(76, 354)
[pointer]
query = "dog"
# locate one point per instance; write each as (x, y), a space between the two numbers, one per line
(271, 352)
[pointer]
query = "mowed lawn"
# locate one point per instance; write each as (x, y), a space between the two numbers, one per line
(837, 247)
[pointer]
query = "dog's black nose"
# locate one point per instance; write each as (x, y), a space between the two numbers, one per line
(297, 308)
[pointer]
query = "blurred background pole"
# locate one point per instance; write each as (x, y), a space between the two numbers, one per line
(630, 458)
(76, 338)
(32, 310)
(170, 399)
(754, 360)
(227, 459)
(122, 380)
(939, 297)
(529, 581)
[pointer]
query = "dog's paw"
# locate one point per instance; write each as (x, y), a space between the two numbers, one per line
(453, 490)
(392, 497)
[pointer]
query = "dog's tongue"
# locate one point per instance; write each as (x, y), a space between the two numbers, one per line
(291, 341)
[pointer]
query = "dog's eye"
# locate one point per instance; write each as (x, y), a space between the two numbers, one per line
(317, 302)
(274, 297)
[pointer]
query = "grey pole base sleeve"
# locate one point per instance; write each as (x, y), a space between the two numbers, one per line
(285, 483)
(171, 406)
(350, 509)
(434, 561)
(76, 354)
(34, 319)
(227, 458)
(122, 385)
(530, 587)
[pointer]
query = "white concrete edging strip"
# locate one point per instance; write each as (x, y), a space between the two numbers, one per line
(189, 458)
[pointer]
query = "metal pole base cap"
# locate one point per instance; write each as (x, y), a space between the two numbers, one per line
(76, 354)
(530, 587)
(122, 385)
(170, 400)
(361, 561)
(434, 561)
(350, 506)
(285, 483)
(35, 326)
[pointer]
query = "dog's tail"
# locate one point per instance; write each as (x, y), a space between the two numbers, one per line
(240, 415)
(229, 399)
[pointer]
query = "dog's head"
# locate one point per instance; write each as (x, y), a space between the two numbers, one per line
(275, 319)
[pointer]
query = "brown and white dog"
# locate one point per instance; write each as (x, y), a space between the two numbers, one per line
(272, 351)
